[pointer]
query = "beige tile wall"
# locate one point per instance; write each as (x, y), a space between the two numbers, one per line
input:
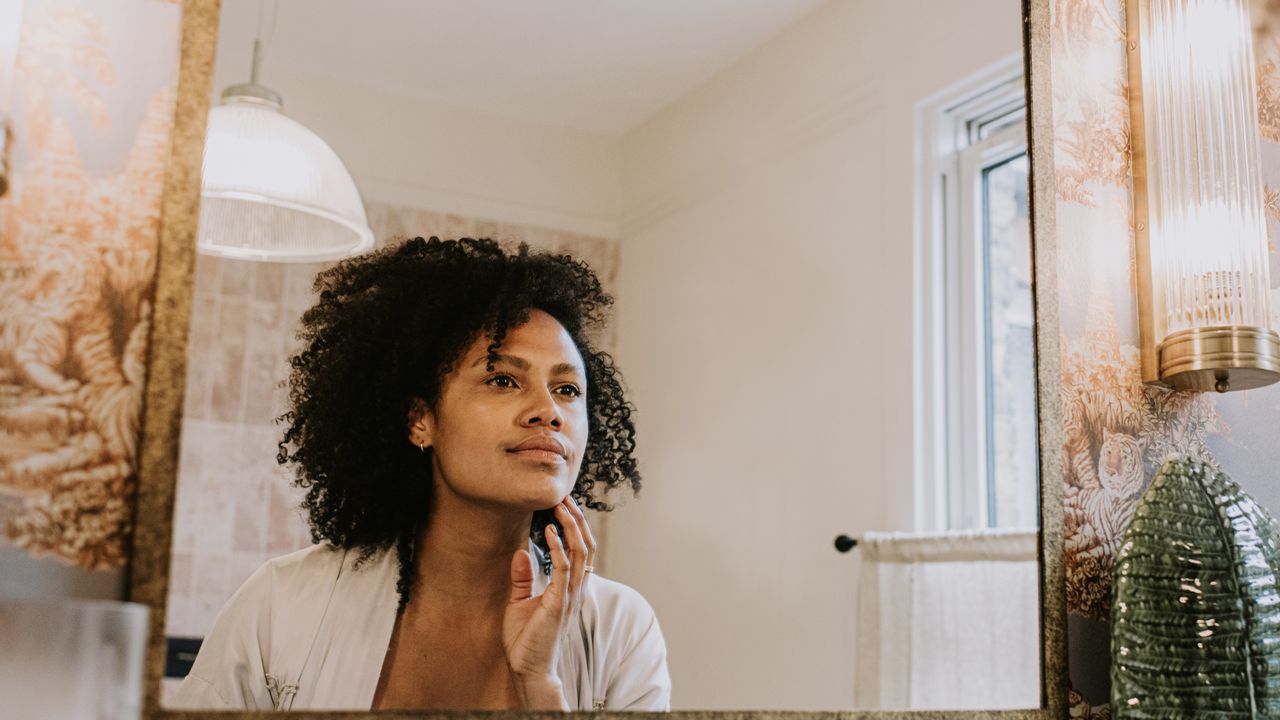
(235, 507)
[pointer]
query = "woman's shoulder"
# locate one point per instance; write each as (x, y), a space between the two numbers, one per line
(320, 557)
(620, 608)
(255, 631)
(628, 653)
(300, 573)
(318, 569)
(617, 596)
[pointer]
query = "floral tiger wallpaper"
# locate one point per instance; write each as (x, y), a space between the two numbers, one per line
(1116, 430)
(94, 94)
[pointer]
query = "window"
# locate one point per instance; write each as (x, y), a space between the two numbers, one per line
(976, 430)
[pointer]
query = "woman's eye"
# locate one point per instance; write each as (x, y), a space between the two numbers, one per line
(502, 381)
(569, 391)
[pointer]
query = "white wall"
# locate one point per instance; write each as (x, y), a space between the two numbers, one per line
(765, 325)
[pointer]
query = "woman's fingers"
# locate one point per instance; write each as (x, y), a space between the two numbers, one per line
(577, 547)
(558, 588)
(581, 517)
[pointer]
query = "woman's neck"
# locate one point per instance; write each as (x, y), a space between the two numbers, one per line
(464, 553)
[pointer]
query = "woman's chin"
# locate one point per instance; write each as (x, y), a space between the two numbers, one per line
(541, 493)
(548, 499)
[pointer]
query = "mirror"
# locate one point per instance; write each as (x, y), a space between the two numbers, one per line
(813, 217)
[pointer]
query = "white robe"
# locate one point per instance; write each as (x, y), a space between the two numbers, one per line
(308, 631)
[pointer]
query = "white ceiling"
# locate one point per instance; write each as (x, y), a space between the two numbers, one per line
(601, 66)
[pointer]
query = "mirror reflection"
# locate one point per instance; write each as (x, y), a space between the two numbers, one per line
(794, 467)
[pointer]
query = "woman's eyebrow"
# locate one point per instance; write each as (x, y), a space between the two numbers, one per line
(567, 369)
(564, 368)
(516, 362)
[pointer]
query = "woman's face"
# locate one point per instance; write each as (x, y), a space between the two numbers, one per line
(514, 435)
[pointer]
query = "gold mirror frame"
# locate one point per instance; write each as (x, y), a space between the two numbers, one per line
(148, 576)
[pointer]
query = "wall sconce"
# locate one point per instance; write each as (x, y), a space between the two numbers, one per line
(1204, 309)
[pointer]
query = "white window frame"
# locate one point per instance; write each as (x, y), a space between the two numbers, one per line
(972, 125)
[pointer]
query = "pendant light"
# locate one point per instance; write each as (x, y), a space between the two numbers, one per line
(272, 189)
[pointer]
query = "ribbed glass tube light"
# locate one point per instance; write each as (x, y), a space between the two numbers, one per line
(271, 188)
(1203, 275)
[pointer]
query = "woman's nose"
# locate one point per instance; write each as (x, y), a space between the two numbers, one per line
(542, 411)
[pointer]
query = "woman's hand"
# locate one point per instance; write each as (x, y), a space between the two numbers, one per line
(533, 626)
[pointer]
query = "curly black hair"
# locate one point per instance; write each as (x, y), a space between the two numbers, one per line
(388, 326)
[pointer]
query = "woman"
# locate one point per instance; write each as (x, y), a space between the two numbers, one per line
(449, 418)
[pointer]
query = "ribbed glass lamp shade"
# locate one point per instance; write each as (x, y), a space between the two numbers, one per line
(272, 189)
(1201, 248)
(1208, 232)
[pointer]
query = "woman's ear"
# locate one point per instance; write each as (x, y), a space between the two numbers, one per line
(420, 423)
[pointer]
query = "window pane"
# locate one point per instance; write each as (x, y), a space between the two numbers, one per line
(992, 123)
(1010, 372)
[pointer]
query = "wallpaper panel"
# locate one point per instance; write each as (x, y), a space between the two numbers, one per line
(94, 99)
(1117, 430)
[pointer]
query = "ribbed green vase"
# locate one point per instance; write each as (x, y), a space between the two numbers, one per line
(1195, 621)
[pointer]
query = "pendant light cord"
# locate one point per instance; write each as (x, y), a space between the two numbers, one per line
(258, 41)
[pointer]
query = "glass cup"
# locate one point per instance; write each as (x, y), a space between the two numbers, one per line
(72, 659)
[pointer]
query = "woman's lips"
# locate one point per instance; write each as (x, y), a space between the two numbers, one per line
(542, 449)
(542, 456)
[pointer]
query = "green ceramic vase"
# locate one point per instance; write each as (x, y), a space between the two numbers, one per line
(1195, 618)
